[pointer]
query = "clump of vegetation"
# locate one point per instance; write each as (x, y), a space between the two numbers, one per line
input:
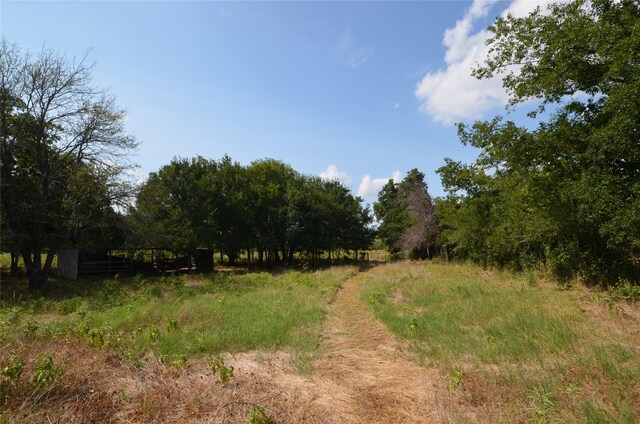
(520, 204)
(12, 368)
(218, 367)
(626, 290)
(46, 372)
(258, 415)
(455, 379)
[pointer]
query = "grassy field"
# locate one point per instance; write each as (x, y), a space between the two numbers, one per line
(175, 318)
(516, 349)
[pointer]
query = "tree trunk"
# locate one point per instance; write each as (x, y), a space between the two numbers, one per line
(14, 263)
(37, 274)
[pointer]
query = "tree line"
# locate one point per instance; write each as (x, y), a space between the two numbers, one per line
(266, 207)
(564, 195)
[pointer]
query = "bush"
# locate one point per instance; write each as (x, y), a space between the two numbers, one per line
(625, 289)
(12, 367)
(46, 371)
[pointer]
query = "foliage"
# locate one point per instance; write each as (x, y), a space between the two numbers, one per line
(566, 193)
(625, 289)
(406, 211)
(266, 206)
(258, 415)
(46, 372)
(218, 367)
(63, 151)
(12, 367)
(455, 379)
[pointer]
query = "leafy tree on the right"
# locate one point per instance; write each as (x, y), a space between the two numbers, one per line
(567, 193)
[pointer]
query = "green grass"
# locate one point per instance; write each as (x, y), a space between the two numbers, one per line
(163, 316)
(516, 338)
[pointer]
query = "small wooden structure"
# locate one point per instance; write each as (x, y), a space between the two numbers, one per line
(74, 264)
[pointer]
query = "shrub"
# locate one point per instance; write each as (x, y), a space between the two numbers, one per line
(258, 415)
(625, 289)
(12, 367)
(218, 366)
(46, 371)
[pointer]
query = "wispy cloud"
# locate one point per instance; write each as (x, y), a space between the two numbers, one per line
(370, 187)
(349, 52)
(453, 94)
(396, 105)
(333, 174)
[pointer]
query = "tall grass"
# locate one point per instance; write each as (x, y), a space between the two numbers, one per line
(561, 354)
(169, 318)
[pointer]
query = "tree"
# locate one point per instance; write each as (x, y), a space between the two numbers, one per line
(407, 215)
(231, 214)
(61, 140)
(174, 207)
(568, 192)
(271, 182)
(417, 239)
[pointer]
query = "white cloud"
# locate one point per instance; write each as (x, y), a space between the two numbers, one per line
(370, 187)
(396, 105)
(349, 53)
(452, 94)
(332, 174)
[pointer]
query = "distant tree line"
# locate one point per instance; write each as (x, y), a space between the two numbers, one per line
(63, 156)
(266, 207)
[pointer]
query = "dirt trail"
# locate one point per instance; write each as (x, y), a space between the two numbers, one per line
(367, 374)
(363, 375)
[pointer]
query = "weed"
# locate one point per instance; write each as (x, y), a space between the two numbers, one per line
(69, 306)
(152, 333)
(176, 361)
(258, 415)
(172, 325)
(96, 337)
(31, 327)
(543, 405)
(218, 366)
(46, 372)
(12, 367)
(413, 324)
(10, 316)
(375, 298)
(455, 379)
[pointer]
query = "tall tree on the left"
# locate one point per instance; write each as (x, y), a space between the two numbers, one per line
(63, 150)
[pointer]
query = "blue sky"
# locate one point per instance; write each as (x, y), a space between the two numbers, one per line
(360, 91)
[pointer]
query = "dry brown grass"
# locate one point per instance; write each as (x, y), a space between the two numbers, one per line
(362, 375)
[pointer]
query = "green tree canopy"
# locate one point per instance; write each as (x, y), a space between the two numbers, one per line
(568, 191)
(63, 151)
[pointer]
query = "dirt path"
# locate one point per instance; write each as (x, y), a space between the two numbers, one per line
(363, 375)
(367, 375)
